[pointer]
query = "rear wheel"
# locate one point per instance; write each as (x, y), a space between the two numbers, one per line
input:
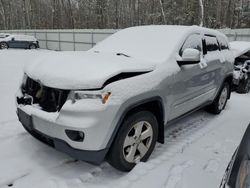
(221, 100)
(135, 141)
(32, 46)
(4, 45)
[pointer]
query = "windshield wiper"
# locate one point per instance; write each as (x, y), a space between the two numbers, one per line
(122, 54)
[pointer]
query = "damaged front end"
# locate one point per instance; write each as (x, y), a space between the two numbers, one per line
(47, 98)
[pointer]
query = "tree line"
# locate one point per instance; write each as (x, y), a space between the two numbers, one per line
(116, 14)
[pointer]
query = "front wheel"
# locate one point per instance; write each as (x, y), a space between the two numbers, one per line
(135, 141)
(4, 45)
(221, 100)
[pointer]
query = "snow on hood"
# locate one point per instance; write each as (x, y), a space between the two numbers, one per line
(239, 47)
(84, 70)
(157, 42)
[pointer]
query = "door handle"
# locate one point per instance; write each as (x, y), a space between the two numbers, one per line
(203, 64)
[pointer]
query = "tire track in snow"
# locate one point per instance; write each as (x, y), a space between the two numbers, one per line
(177, 137)
(175, 176)
(9, 182)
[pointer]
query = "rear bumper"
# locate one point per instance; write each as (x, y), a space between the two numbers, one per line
(95, 157)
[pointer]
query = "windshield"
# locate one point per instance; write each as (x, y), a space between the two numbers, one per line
(150, 42)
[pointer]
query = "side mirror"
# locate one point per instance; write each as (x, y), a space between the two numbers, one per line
(13, 39)
(190, 56)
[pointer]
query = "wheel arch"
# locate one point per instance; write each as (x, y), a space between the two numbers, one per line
(31, 44)
(153, 105)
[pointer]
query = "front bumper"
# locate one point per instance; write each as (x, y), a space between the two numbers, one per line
(95, 157)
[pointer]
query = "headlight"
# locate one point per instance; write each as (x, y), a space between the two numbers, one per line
(80, 95)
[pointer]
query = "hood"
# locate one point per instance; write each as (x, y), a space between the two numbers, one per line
(239, 47)
(83, 70)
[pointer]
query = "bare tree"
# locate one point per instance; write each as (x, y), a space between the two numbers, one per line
(3, 14)
(162, 12)
(202, 12)
(57, 14)
(218, 13)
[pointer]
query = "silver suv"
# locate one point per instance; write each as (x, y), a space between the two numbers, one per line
(113, 101)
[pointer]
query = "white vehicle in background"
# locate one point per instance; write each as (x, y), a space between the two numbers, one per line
(241, 51)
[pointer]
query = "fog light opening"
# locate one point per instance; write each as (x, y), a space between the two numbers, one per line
(77, 136)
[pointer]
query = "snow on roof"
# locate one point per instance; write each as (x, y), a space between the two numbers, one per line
(21, 37)
(155, 42)
(240, 47)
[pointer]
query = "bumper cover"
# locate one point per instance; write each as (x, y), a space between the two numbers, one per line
(95, 157)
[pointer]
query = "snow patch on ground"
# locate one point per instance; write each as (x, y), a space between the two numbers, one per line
(175, 177)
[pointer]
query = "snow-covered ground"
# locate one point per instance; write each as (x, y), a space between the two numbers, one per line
(196, 153)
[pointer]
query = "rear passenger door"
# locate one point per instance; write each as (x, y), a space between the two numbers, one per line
(214, 60)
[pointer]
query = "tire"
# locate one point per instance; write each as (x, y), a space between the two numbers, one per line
(127, 149)
(221, 100)
(4, 45)
(32, 46)
(244, 86)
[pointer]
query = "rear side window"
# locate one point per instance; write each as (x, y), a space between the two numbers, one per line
(211, 43)
(193, 41)
(223, 43)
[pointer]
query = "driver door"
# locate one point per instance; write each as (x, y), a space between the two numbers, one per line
(190, 81)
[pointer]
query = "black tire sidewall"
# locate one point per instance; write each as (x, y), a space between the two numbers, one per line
(116, 157)
(5, 44)
(30, 46)
(217, 110)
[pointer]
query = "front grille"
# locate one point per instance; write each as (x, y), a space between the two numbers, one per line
(49, 99)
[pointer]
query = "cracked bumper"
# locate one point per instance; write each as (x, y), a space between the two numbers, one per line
(95, 157)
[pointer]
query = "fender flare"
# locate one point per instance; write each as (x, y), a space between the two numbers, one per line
(134, 106)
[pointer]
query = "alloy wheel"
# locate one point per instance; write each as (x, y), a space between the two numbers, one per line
(137, 141)
(223, 98)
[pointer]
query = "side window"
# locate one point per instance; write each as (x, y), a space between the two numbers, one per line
(193, 41)
(211, 43)
(223, 43)
(17, 37)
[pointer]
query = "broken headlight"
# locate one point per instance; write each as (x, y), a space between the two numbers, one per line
(80, 95)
